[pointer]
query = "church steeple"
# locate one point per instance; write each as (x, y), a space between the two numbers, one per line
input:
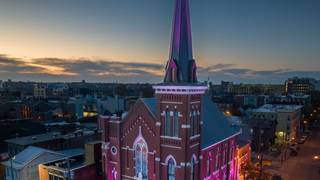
(181, 67)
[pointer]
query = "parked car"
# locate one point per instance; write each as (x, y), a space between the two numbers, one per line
(301, 141)
(293, 153)
(294, 146)
(276, 177)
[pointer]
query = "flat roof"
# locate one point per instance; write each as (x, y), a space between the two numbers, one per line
(277, 108)
(27, 140)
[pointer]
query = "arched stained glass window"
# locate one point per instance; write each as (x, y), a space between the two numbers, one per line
(141, 159)
(171, 169)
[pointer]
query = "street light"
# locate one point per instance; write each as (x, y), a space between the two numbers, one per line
(315, 157)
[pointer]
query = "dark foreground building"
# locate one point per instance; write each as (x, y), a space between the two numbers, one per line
(179, 134)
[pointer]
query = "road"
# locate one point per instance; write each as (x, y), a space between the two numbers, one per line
(304, 166)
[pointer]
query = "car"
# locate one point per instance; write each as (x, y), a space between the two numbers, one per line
(293, 153)
(273, 149)
(301, 141)
(294, 146)
(276, 177)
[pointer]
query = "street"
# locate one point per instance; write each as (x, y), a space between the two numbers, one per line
(304, 166)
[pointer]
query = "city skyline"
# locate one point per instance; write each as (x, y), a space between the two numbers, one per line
(105, 41)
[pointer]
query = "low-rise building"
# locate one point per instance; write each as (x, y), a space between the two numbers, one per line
(40, 91)
(243, 157)
(288, 119)
(298, 85)
(304, 100)
(74, 167)
(24, 166)
(53, 141)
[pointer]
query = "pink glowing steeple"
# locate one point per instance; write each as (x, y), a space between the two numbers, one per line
(181, 67)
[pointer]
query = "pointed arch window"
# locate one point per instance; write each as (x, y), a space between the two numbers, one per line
(175, 123)
(167, 124)
(217, 161)
(171, 169)
(193, 123)
(141, 159)
(209, 159)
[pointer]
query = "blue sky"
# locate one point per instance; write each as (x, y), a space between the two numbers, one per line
(242, 41)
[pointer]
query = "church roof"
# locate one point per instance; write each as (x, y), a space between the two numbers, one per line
(151, 104)
(216, 126)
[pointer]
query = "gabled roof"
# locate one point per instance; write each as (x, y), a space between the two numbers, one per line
(151, 104)
(216, 126)
(29, 154)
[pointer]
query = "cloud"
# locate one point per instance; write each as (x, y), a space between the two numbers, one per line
(56, 69)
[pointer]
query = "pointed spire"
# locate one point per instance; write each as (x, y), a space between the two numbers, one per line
(181, 66)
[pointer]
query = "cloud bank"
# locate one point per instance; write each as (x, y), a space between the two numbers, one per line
(66, 70)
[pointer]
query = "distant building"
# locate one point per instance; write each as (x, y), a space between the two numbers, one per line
(250, 100)
(257, 89)
(243, 157)
(57, 90)
(302, 99)
(298, 85)
(288, 118)
(53, 141)
(40, 91)
(74, 167)
(111, 104)
(25, 164)
(226, 87)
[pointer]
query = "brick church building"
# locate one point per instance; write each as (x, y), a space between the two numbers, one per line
(180, 133)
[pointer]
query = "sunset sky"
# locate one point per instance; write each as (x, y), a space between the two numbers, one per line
(128, 40)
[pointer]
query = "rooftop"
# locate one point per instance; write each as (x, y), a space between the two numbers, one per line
(29, 154)
(216, 126)
(274, 108)
(28, 140)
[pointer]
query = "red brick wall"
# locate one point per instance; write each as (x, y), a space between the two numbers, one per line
(87, 172)
(227, 167)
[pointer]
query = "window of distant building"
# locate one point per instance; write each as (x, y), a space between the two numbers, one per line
(171, 169)
(141, 159)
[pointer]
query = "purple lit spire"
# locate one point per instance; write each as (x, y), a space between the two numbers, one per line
(181, 67)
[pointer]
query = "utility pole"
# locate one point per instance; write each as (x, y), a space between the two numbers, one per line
(260, 152)
(11, 164)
